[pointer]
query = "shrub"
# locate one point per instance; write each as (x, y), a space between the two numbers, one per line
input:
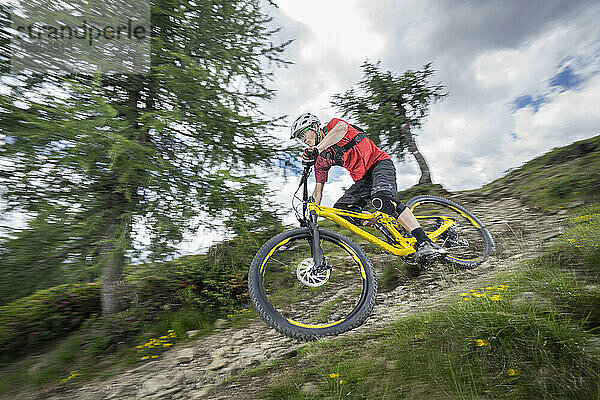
(29, 321)
(212, 281)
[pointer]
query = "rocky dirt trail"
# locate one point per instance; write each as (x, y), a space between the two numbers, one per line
(199, 369)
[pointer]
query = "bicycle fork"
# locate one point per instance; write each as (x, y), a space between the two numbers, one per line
(315, 245)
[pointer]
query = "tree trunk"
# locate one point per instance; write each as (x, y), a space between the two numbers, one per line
(112, 254)
(412, 147)
(113, 260)
(112, 275)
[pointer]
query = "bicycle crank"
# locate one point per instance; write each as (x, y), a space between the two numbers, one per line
(308, 275)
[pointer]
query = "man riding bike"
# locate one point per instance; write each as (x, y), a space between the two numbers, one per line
(373, 172)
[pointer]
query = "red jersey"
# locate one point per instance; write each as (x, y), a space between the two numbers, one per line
(357, 160)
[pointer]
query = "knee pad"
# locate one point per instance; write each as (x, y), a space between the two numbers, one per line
(383, 202)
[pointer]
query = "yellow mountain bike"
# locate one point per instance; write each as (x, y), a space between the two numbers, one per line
(312, 282)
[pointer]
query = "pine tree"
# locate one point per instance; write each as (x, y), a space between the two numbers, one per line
(391, 108)
(159, 149)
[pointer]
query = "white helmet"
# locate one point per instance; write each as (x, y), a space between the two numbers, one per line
(302, 122)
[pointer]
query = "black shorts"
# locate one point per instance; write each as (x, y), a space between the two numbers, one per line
(381, 178)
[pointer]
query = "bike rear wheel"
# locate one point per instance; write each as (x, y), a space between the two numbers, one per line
(306, 304)
(467, 240)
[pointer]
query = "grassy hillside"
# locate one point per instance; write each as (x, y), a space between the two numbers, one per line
(522, 335)
(563, 175)
(46, 336)
(531, 333)
(526, 334)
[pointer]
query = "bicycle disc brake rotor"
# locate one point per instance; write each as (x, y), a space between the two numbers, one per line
(308, 277)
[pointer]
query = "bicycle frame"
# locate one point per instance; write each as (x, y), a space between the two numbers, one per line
(402, 246)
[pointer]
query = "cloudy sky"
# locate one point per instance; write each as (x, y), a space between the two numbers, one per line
(522, 76)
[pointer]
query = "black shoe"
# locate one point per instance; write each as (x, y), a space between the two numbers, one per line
(428, 251)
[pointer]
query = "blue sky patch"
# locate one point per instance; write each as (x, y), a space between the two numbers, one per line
(8, 139)
(529, 101)
(565, 79)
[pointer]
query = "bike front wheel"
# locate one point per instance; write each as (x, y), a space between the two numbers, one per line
(300, 302)
(467, 240)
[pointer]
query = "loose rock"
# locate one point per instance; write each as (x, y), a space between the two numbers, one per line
(192, 334)
(221, 323)
(154, 384)
(185, 355)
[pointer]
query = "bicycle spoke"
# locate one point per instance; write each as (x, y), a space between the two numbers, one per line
(307, 297)
(455, 230)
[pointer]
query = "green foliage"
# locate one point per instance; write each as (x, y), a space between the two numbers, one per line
(213, 281)
(32, 321)
(116, 150)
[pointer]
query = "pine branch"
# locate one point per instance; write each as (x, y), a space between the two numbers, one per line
(38, 264)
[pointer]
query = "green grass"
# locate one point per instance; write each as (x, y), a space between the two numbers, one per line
(391, 275)
(563, 175)
(324, 312)
(525, 353)
(541, 326)
(529, 334)
(90, 353)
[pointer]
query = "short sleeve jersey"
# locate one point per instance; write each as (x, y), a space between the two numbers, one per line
(357, 160)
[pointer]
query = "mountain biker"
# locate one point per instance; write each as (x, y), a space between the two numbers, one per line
(373, 172)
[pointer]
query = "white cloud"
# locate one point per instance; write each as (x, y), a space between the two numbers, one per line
(485, 53)
(572, 115)
(338, 27)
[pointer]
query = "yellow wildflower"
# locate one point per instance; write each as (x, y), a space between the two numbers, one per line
(496, 298)
(513, 372)
(477, 294)
(154, 356)
(481, 342)
(145, 357)
(464, 294)
(342, 381)
(333, 375)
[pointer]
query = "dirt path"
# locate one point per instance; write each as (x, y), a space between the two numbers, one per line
(198, 370)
